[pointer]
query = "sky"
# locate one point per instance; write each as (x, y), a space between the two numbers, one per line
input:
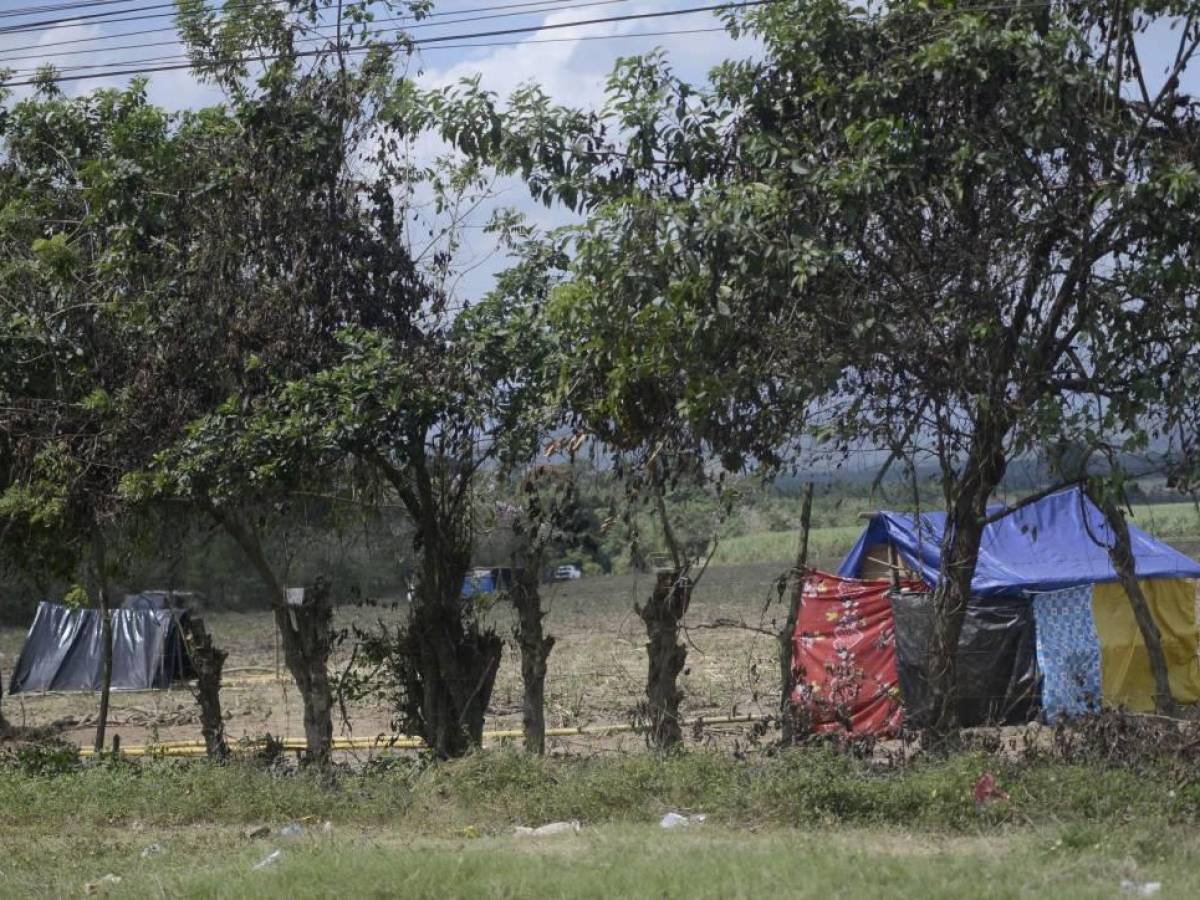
(571, 63)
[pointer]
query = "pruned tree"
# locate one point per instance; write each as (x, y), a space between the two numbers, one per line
(296, 233)
(96, 188)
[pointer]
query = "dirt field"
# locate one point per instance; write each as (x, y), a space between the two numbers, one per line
(597, 668)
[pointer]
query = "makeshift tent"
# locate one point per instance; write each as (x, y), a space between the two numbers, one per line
(180, 600)
(62, 651)
(843, 657)
(1058, 543)
(996, 662)
(487, 581)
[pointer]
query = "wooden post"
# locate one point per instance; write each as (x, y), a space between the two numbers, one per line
(786, 717)
(106, 639)
(894, 565)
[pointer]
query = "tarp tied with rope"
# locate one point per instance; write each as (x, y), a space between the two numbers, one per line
(1060, 541)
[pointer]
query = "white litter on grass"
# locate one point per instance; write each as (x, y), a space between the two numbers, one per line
(153, 850)
(1141, 888)
(550, 828)
(327, 827)
(291, 830)
(100, 884)
(675, 820)
(269, 860)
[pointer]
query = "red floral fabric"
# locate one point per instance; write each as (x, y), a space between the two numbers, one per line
(844, 657)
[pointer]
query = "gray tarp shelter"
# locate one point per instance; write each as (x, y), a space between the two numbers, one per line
(62, 651)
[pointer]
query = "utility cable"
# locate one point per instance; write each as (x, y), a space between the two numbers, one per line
(109, 70)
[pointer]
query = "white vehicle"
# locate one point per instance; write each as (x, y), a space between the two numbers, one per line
(567, 573)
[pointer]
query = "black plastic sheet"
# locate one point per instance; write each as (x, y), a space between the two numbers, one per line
(998, 679)
(63, 650)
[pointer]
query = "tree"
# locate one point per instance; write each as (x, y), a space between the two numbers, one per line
(934, 230)
(296, 234)
(93, 190)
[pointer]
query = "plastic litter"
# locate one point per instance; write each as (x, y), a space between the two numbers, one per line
(292, 830)
(153, 850)
(1141, 888)
(986, 791)
(675, 820)
(550, 828)
(256, 831)
(95, 887)
(269, 860)
(327, 827)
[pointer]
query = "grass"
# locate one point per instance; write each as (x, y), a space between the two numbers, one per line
(619, 861)
(828, 544)
(805, 823)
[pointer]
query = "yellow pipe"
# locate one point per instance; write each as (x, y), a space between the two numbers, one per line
(400, 741)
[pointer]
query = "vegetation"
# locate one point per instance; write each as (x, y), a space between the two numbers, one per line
(961, 237)
(1067, 824)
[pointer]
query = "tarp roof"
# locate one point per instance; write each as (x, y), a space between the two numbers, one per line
(1048, 545)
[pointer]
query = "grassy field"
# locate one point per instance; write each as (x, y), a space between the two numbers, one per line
(807, 823)
(829, 544)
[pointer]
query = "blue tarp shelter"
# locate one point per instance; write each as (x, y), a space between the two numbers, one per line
(1055, 543)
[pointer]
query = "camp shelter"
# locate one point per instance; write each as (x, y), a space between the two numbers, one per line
(163, 599)
(1052, 555)
(487, 581)
(62, 651)
(843, 657)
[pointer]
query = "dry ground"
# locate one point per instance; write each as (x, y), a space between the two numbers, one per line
(597, 668)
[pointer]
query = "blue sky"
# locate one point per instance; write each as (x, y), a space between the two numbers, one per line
(570, 63)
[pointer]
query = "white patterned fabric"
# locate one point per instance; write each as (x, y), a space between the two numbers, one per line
(1068, 652)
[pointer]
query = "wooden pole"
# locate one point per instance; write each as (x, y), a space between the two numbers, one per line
(106, 638)
(786, 716)
(894, 565)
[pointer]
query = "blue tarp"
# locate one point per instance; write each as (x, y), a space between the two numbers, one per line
(479, 583)
(1049, 545)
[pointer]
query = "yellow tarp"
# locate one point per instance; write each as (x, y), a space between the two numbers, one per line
(1124, 665)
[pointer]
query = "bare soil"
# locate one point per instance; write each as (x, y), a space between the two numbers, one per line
(597, 669)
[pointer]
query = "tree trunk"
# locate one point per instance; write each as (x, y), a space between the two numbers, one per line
(307, 636)
(960, 552)
(666, 657)
(106, 636)
(455, 664)
(1120, 553)
(535, 650)
(787, 716)
(208, 661)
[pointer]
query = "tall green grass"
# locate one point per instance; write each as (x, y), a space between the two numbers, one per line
(496, 789)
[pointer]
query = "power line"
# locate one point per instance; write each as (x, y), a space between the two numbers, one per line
(108, 70)
(89, 17)
(172, 29)
(514, 43)
(543, 6)
(55, 7)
